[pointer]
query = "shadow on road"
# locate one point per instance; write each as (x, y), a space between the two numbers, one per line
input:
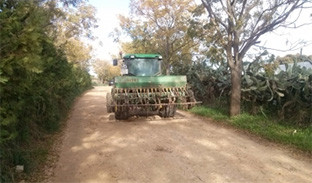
(98, 148)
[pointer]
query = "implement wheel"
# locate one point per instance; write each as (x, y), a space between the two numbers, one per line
(122, 113)
(172, 111)
(168, 111)
(109, 103)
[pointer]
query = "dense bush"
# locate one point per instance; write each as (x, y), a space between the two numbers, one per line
(209, 81)
(37, 83)
(284, 94)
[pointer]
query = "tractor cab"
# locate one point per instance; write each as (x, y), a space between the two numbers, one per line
(141, 65)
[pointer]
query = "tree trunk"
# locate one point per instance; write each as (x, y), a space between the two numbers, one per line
(236, 76)
(168, 70)
(167, 56)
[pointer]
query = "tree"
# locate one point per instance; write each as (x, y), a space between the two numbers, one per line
(105, 71)
(77, 52)
(70, 24)
(238, 25)
(161, 27)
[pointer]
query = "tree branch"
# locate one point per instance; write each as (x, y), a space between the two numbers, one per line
(212, 15)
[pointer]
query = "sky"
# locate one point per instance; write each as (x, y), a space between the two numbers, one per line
(108, 10)
(285, 38)
(107, 20)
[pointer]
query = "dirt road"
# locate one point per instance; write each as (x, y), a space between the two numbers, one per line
(97, 148)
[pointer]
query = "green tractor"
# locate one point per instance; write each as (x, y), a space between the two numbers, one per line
(143, 91)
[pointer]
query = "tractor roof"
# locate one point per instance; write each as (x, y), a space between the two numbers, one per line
(139, 55)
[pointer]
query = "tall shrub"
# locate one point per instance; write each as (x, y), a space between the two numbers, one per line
(37, 84)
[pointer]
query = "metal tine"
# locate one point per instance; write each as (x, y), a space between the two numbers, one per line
(181, 91)
(176, 91)
(138, 92)
(145, 95)
(149, 90)
(135, 94)
(130, 94)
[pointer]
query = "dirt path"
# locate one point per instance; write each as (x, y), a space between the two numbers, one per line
(97, 148)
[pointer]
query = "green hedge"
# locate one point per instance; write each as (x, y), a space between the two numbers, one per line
(284, 94)
(37, 85)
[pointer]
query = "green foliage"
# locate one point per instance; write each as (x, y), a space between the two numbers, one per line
(68, 25)
(208, 80)
(287, 93)
(261, 125)
(105, 71)
(236, 26)
(266, 89)
(160, 27)
(37, 84)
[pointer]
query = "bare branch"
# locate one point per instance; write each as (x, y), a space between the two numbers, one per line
(242, 10)
(294, 47)
(296, 26)
(265, 27)
(214, 18)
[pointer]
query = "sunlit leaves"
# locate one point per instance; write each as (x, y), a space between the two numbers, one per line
(160, 27)
(69, 27)
(105, 71)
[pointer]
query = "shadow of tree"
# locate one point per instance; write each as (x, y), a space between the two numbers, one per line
(97, 148)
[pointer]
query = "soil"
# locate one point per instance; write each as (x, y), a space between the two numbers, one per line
(97, 148)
